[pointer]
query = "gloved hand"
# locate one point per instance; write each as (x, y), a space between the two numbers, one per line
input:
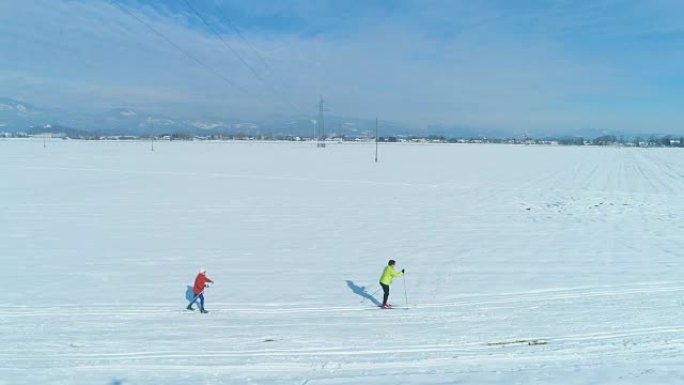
(402, 271)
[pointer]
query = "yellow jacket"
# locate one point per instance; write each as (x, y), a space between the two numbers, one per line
(389, 274)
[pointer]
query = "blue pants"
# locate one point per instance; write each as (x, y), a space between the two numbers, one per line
(201, 298)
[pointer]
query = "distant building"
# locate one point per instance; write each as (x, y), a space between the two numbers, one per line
(49, 135)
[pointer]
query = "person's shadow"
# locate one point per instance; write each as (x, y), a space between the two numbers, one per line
(361, 291)
(189, 295)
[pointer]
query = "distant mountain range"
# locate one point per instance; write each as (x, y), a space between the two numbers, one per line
(19, 116)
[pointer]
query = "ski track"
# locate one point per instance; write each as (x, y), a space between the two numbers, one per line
(577, 247)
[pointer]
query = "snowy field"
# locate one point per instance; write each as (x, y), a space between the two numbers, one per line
(525, 265)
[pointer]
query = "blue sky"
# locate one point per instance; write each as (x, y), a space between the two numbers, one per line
(543, 66)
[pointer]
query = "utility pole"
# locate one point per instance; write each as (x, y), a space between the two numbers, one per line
(314, 123)
(376, 140)
(152, 137)
(321, 124)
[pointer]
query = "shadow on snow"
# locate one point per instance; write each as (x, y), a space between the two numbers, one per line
(361, 291)
(189, 295)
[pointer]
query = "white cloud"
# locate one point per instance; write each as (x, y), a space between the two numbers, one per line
(450, 63)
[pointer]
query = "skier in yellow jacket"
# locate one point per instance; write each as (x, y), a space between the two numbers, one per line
(386, 280)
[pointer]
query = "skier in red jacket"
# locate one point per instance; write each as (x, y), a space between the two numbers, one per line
(198, 290)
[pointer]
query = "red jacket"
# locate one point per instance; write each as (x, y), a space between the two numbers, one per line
(200, 283)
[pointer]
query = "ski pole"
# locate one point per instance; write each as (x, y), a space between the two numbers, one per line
(372, 295)
(197, 296)
(405, 295)
(195, 299)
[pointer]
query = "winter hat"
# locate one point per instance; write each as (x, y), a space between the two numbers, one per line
(203, 271)
(392, 262)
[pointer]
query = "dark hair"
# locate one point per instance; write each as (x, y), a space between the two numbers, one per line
(392, 262)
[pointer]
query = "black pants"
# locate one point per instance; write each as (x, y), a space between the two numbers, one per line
(385, 290)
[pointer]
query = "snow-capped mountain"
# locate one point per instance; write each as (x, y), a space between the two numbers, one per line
(15, 114)
(18, 116)
(8, 105)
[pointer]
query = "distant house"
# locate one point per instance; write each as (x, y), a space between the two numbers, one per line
(675, 142)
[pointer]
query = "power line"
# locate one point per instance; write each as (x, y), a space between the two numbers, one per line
(179, 48)
(195, 59)
(285, 101)
(232, 25)
(225, 43)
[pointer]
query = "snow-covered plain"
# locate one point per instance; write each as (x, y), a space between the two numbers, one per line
(578, 249)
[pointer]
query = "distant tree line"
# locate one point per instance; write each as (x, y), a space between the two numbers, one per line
(605, 140)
